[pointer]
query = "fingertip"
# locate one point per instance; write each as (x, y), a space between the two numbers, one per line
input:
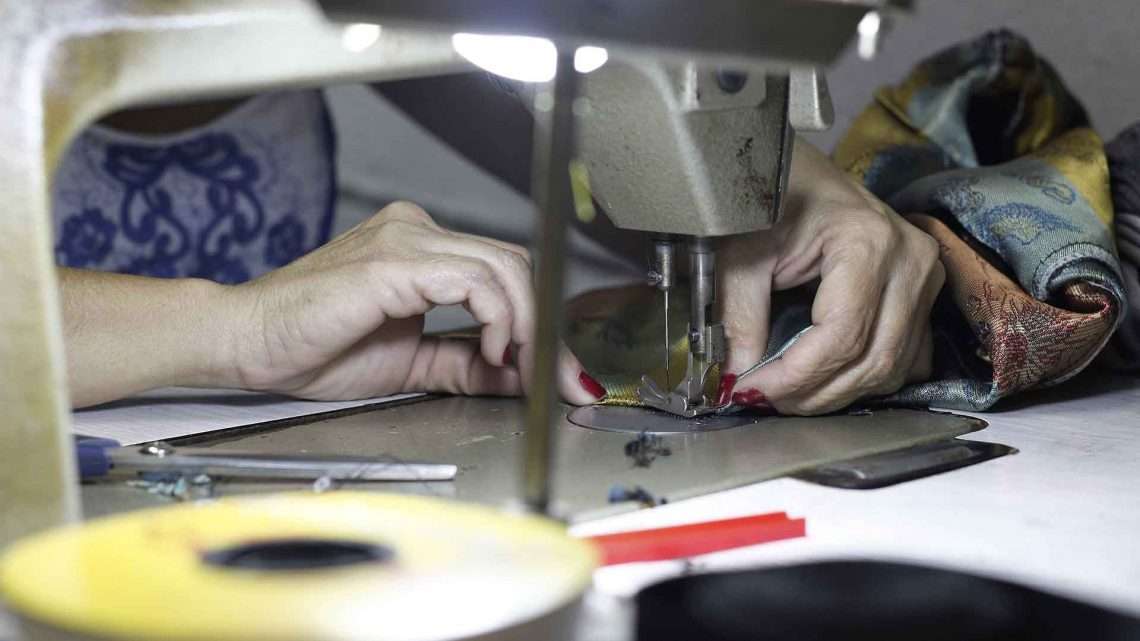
(494, 344)
(578, 387)
(768, 381)
(591, 385)
(724, 392)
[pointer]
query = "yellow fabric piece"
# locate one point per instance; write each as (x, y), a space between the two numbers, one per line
(873, 131)
(618, 335)
(1079, 155)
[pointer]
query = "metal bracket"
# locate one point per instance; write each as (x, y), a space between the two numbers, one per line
(907, 464)
(809, 101)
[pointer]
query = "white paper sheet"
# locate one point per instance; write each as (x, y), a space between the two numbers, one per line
(179, 411)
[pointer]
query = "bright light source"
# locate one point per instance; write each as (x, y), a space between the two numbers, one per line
(587, 59)
(359, 36)
(522, 58)
(517, 57)
(869, 28)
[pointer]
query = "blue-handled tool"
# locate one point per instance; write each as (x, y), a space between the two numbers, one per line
(103, 457)
(92, 456)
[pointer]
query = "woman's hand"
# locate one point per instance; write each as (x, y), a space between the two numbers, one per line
(346, 320)
(879, 276)
(343, 322)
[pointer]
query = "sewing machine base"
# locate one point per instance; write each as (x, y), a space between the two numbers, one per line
(597, 473)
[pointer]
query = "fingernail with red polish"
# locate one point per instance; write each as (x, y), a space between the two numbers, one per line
(752, 398)
(724, 393)
(592, 386)
(508, 357)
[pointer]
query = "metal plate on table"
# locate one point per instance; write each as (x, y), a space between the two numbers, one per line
(484, 437)
(637, 420)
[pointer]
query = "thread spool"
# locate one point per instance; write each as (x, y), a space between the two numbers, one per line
(325, 567)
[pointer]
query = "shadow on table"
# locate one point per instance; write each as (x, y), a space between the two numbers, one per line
(866, 600)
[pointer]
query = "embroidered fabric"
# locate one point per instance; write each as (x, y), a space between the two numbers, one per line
(227, 201)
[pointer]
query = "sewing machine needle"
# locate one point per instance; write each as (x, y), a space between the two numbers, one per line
(668, 383)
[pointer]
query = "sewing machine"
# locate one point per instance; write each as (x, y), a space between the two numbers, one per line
(685, 134)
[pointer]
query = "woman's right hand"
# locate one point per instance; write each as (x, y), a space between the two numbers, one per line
(346, 321)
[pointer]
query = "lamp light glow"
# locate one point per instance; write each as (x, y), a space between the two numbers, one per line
(524, 58)
(359, 36)
(587, 59)
(869, 30)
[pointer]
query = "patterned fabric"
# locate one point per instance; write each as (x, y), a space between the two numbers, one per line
(984, 142)
(249, 192)
(1124, 167)
(984, 149)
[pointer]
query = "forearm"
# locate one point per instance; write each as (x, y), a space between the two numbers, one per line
(126, 334)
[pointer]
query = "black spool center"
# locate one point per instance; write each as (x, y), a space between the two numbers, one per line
(298, 554)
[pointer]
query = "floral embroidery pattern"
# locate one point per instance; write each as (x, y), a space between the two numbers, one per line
(147, 214)
(958, 196)
(1053, 189)
(286, 242)
(87, 238)
(1016, 221)
(1028, 342)
(249, 193)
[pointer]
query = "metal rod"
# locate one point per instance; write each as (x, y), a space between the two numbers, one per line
(667, 375)
(553, 151)
(237, 467)
(662, 274)
(702, 277)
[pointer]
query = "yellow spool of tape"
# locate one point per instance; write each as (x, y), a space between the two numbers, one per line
(337, 566)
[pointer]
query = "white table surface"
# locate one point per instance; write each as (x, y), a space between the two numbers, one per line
(1062, 515)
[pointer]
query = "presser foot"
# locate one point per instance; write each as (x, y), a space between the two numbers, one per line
(688, 398)
(675, 402)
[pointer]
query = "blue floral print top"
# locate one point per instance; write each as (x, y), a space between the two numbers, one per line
(228, 201)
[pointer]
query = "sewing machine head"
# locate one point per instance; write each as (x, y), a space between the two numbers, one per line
(688, 152)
